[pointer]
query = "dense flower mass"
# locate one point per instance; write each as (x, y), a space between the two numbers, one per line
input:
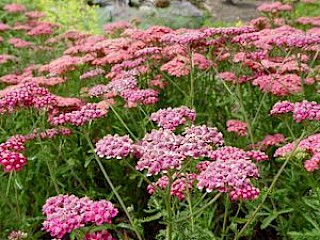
(64, 213)
(300, 110)
(170, 118)
(167, 88)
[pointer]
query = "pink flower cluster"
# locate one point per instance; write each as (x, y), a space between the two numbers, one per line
(268, 141)
(170, 118)
(301, 110)
(80, 117)
(274, 7)
(231, 176)
(19, 43)
(181, 184)
(25, 95)
(99, 235)
(311, 145)
(65, 213)
(14, 8)
(238, 127)
(281, 84)
(114, 146)
(11, 157)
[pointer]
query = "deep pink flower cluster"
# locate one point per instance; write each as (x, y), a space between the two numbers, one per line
(26, 95)
(281, 84)
(114, 146)
(311, 145)
(181, 184)
(79, 117)
(170, 118)
(99, 235)
(65, 213)
(11, 157)
(301, 110)
(238, 127)
(274, 7)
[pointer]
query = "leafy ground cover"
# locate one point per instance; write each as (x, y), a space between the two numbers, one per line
(208, 133)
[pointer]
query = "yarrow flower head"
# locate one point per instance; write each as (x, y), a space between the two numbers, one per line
(232, 176)
(170, 118)
(114, 146)
(238, 127)
(65, 213)
(99, 235)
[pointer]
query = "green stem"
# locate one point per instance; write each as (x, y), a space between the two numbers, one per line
(213, 200)
(124, 124)
(114, 190)
(191, 80)
(274, 181)
(169, 209)
(227, 201)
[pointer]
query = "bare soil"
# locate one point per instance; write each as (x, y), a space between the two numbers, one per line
(244, 10)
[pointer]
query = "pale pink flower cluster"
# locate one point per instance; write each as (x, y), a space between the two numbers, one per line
(4, 58)
(114, 88)
(62, 65)
(17, 235)
(238, 127)
(310, 145)
(35, 14)
(300, 110)
(114, 146)
(19, 43)
(14, 8)
(4, 27)
(99, 235)
(181, 184)
(233, 153)
(119, 26)
(133, 97)
(162, 150)
(41, 29)
(86, 113)
(170, 118)
(92, 73)
(315, 21)
(274, 7)
(65, 213)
